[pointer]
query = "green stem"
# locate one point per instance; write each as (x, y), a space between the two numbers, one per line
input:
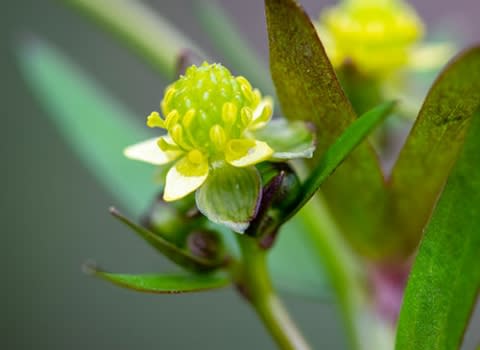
(345, 273)
(254, 282)
(145, 31)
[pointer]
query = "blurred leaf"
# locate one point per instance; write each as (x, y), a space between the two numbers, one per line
(445, 280)
(169, 250)
(305, 277)
(336, 153)
(233, 46)
(432, 147)
(163, 284)
(308, 90)
(230, 196)
(91, 122)
(144, 30)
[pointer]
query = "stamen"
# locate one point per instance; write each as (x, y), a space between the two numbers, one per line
(155, 121)
(218, 136)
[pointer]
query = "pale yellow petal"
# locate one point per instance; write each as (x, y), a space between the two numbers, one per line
(149, 152)
(431, 56)
(241, 153)
(262, 114)
(184, 178)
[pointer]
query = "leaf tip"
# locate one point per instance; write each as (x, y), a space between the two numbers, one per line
(90, 267)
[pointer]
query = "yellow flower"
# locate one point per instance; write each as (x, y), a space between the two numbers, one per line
(378, 36)
(212, 119)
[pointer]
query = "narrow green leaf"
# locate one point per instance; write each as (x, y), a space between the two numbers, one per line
(445, 280)
(335, 155)
(169, 250)
(432, 147)
(308, 90)
(95, 126)
(233, 46)
(162, 284)
(230, 196)
(145, 31)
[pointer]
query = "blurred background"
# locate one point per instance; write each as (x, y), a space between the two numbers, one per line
(54, 214)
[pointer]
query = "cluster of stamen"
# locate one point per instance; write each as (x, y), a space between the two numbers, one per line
(205, 109)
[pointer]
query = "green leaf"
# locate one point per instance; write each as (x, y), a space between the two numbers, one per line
(432, 148)
(235, 49)
(93, 124)
(335, 155)
(308, 90)
(230, 196)
(169, 250)
(162, 284)
(145, 31)
(288, 140)
(445, 280)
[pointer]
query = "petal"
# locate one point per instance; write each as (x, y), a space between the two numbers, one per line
(245, 152)
(149, 152)
(431, 56)
(262, 114)
(289, 139)
(184, 178)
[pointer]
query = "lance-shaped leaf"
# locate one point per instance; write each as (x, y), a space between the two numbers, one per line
(95, 126)
(308, 90)
(445, 279)
(431, 149)
(152, 36)
(171, 251)
(162, 284)
(336, 153)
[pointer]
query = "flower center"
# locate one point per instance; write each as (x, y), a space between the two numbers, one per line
(206, 108)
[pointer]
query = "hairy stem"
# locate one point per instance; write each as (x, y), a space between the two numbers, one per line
(254, 282)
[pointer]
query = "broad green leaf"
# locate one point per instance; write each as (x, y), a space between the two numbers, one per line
(234, 48)
(162, 284)
(431, 149)
(334, 156)
(169, 250)
(308, 90)
(92, 123)
(230, 196)
(445, 280)
(145, 31)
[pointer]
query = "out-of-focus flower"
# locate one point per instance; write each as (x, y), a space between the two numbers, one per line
(378, 37)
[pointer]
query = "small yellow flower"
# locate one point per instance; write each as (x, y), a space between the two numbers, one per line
(378, 36)
(212, 119)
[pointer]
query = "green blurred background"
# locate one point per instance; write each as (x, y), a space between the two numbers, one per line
(55, 217)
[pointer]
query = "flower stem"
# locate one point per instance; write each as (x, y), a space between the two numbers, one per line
(254, 282)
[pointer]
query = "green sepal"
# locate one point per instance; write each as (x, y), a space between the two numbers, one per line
(289, 140)
(169, 250)
(230, 196)
(162, 284)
